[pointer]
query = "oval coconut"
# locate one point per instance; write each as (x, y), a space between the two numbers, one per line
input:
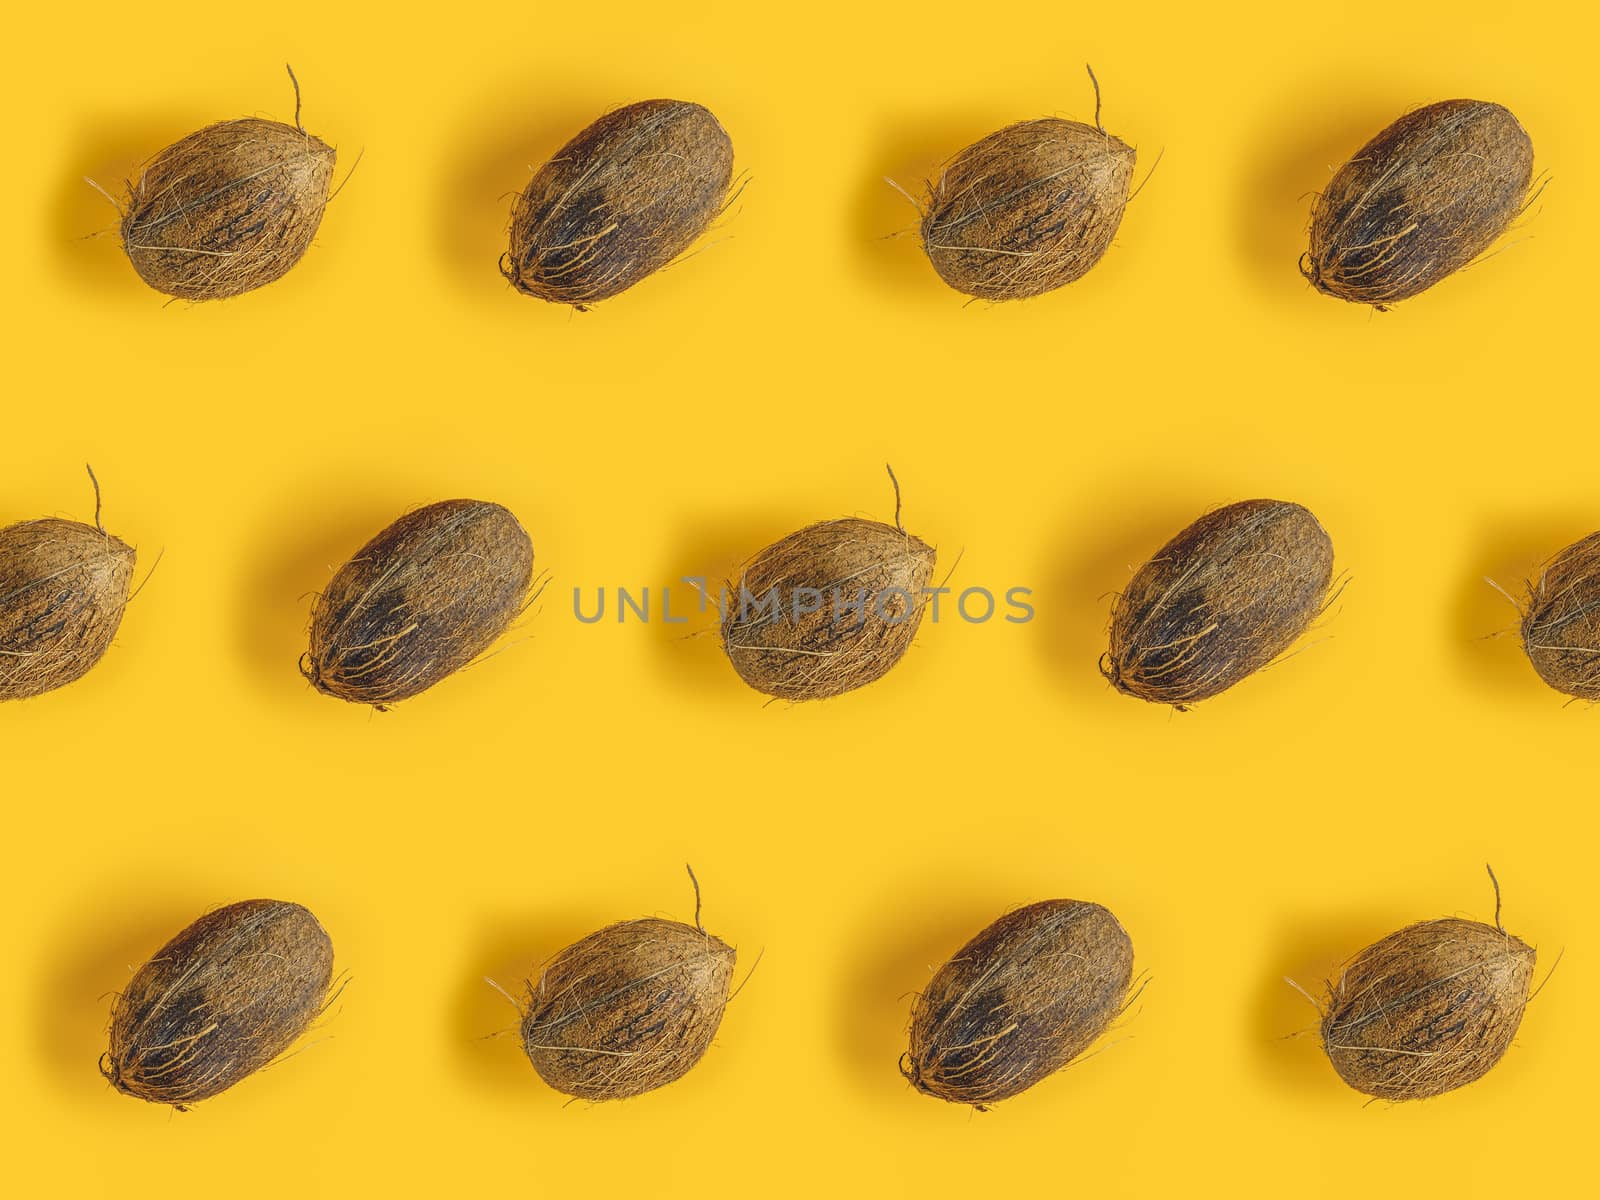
(419, 602)
(627, 1009)
(618, 202)
(1218, 602)
(63, 588)
(227, 209)
(218, 1002)
(1428, 1009)
(1418, 202)
(830, 608)
(1561, 624)
(1019, 1002)
(1027, 209)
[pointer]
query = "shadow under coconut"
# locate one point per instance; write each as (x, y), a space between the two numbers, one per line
(1486, 627)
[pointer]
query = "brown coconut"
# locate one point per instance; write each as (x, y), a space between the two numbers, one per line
(1019, 1002)
(218, 1002)
(227, 209)
(1429, 1008)
(621, 200)
(628, 1009)
(63, 588)
(827, 609)
(1027, 209)
(1418, 202)
(419, 602)
(1561, 621)
(1218, 602)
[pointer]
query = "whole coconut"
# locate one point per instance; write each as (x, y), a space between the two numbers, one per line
(1218, 602)
(419, 602)
(227, 209)
(1561, 622)
(63, 588)
(1419, 202)
(618, 202)
(627, 1009)
(1019, 1002)
(827, 609)
(218, 1002)
(1429, 1008)
(1027, 209)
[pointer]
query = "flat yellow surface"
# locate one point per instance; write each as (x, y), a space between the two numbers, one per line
(757, 387)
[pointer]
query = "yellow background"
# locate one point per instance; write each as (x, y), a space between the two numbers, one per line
(1053, 444)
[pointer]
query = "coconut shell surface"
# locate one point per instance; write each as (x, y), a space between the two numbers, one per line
(1218, 602)
(1561, 623)
(63, 588)
(218, 1002)
(830, 608)
(621, 200)
(227, 209)
(1420, 201)
(627, 1009)
(419, 602)
(1427, 1009)
(1019, 1002)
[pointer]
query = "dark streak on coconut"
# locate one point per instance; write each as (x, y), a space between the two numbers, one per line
(1019, 1002)
(218, 1002)
(63, 588)
(1219, 602)
(1561, 620)
(419, 602)
(227, 209)
(1420, 201)
(620, 201)
(629, 1008)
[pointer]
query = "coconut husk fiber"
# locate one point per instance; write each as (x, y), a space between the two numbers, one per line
(1561, 620)
(827, 609)
(620, 201)
(1418, 202)
(1027, 209)
(1219, 602)
(218, 1002)
(628, 1009)
(227, 209)
(1019, 1002)
(1428, 1009)
(63, 588)
(418, 602)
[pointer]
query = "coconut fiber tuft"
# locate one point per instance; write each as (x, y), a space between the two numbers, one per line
(621, 200)
(628, 1009)
(218, 1002)
(63, 588)
(1220, 601)
(227, 209)
(1019, 1002)
(1420, 201)
(1561, 622)
(1427, 1009)
(419, 602)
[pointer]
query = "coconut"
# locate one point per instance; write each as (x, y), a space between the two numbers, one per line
(227, 209)
(1429, 1008)
(419, 602)
(1218, 602)
(63, 588)
(218, 1002)
(1418, 202)
(1027, 209)
(629, 1008)
(1561, 621)
(827, 609)
(618, 202)
(1019, 1002)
